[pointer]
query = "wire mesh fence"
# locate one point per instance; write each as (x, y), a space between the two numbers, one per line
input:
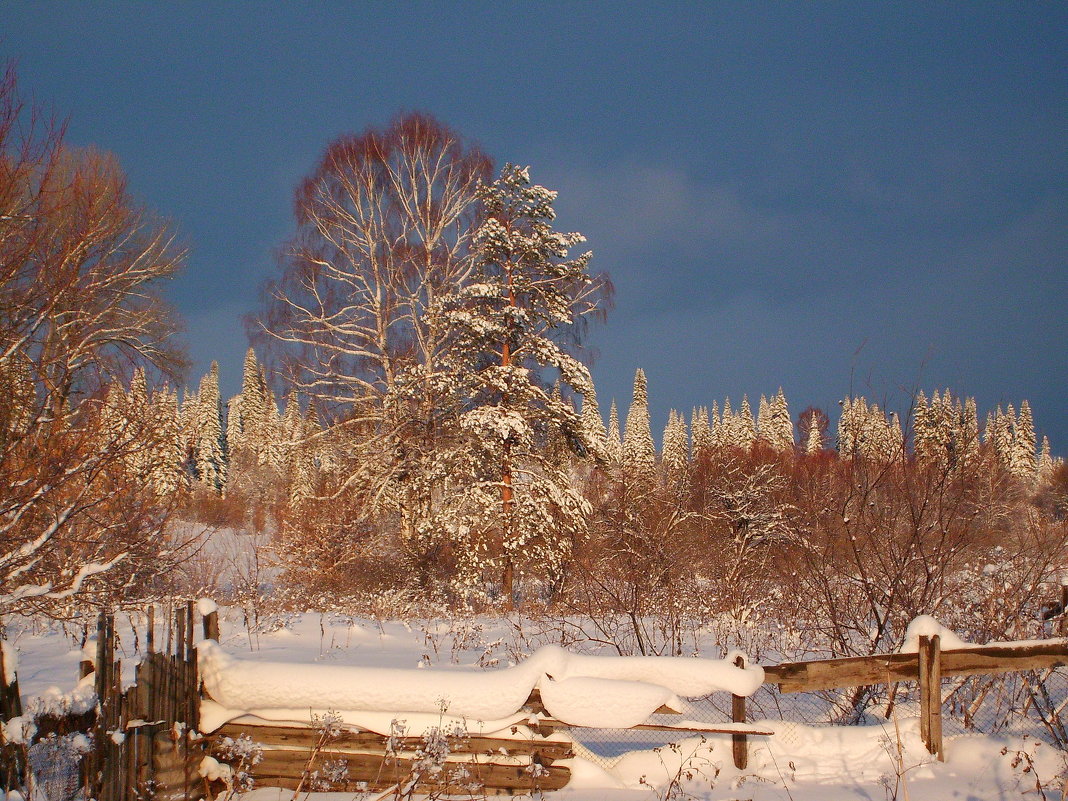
(1028, 703)
(55, 763)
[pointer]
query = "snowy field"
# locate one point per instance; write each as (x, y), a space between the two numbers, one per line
(478, 658)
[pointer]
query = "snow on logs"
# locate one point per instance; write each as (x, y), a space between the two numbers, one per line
(596, 691)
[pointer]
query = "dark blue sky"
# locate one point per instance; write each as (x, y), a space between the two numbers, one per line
(825, 197)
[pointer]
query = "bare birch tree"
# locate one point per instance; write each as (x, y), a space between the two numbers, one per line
(80, 268)
(384, 228)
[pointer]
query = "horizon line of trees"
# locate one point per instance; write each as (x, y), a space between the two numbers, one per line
(441, 439)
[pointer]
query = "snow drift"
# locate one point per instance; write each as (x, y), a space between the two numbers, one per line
(605, 692)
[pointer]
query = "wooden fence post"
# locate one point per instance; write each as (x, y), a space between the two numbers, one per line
(930, 671)
(739, 742)
(1064, 608)
(211, 625)
(12, 766)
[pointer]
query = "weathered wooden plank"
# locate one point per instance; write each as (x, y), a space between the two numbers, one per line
(547, 750)
(290, 783)
(549, 724)
(739, 744)
(827, 674)
(378, 771)
(1001, 659)
(211, 626)
(930, 695)
(477, 744)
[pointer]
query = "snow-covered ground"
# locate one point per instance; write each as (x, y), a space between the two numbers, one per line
(799, 762)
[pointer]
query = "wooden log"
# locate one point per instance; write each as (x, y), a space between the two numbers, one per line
(739, 743)
(306, 738)
(828, 674)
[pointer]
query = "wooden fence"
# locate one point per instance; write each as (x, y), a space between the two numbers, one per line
(927, 667)
(144, 748)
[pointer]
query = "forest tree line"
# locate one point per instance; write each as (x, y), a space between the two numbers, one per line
(423, 426)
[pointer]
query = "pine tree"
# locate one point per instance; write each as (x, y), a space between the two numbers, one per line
(521, 510)
(114, 420)
(639, 453)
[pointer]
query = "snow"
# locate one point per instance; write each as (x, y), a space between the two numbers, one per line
(798, 762)
(57, 703)
(213, 770)
(606, 688)
(687, 677)
(240, 684)
(11, 662)
(927, 626)
(206, 606)
(214, 715)
(604, 703)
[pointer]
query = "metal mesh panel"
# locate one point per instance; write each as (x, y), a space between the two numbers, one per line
(56, 766)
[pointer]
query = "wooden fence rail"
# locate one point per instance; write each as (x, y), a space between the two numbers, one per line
(927, 667)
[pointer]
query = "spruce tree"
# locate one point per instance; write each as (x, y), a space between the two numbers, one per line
(765, 434)
(593, 426)
(639, 452)
(813, 440)
(728, 429)
(1045, 464)
(615, 439)
(167, 474)
(970, 430)
(1024, 445)
(715, 426)
(846, 438)
(780, 422)
(746, 426)
(1004, 436)
(673, 454)
(210, 461)
(701, 433)
(923, 429)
